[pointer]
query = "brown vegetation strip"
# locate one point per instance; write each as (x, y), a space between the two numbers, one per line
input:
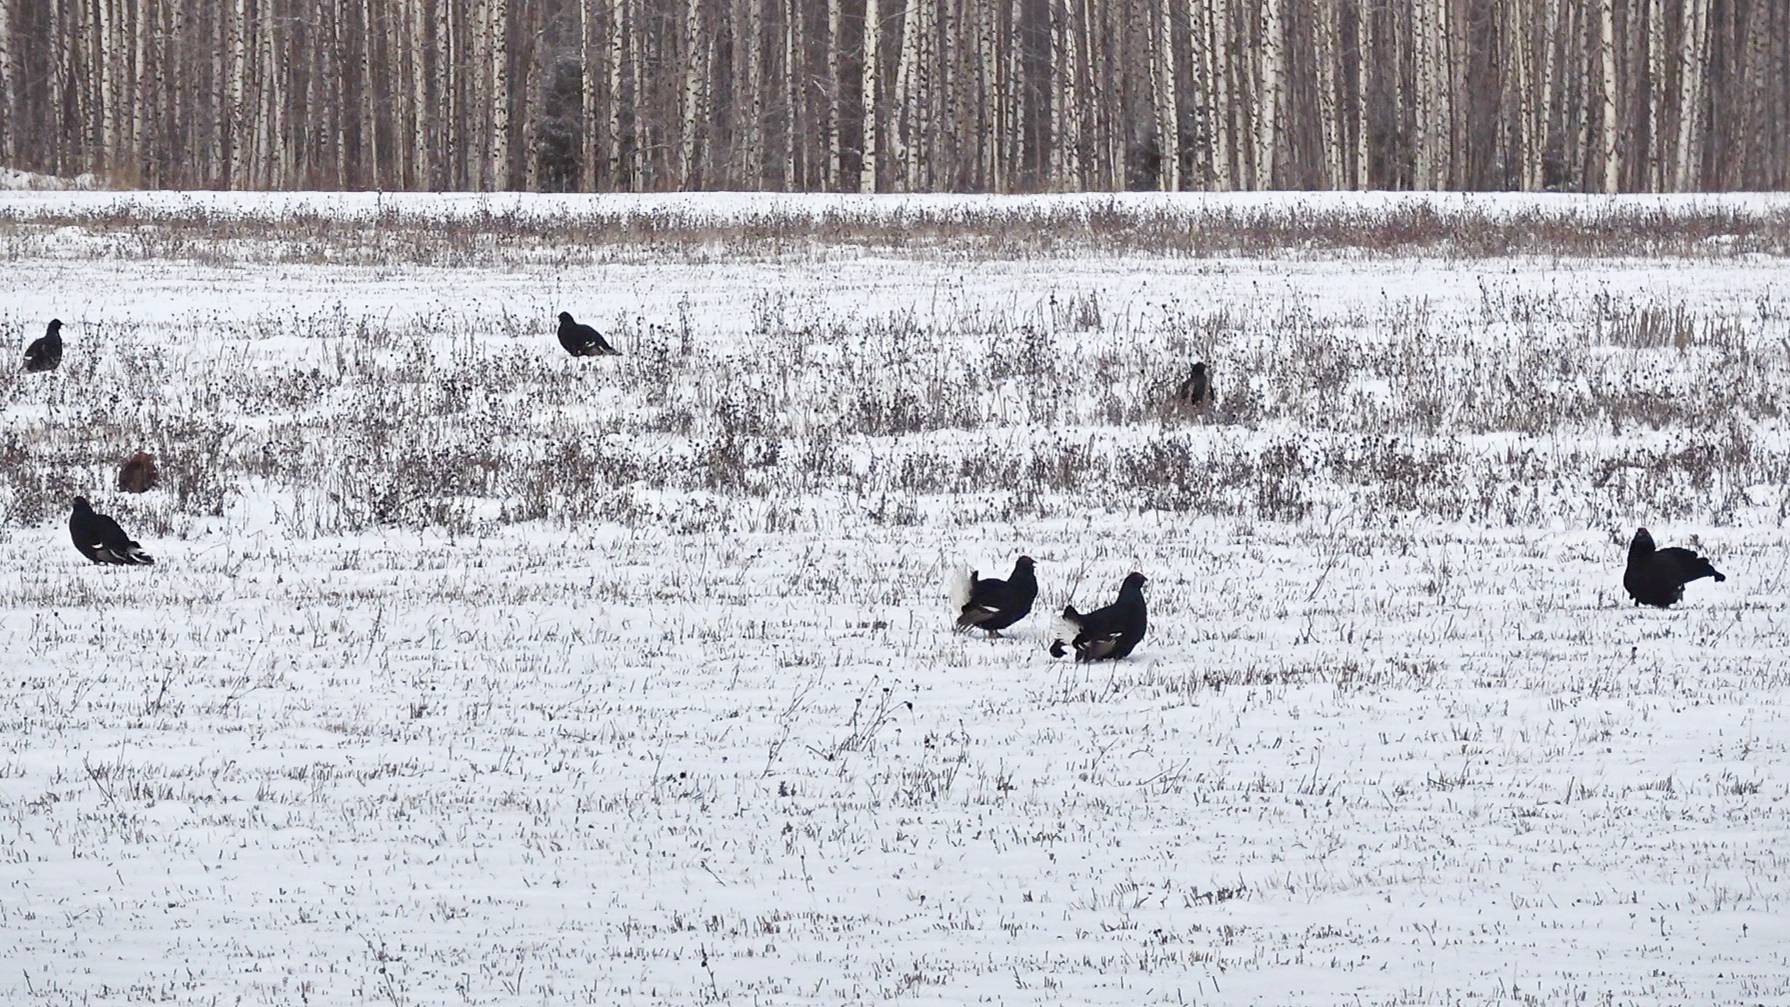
(1036, 230)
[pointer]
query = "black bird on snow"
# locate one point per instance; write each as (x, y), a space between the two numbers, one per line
(101, 540)
(1111, 632)
(45, 352)
(993, 605)
(1657, 576)
(581, 340)
(1196, 389)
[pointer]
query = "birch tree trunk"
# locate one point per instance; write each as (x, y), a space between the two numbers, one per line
(872, 26)
(695, 76)
(1548, 131)
(1325, 60)
(1364, 44)
(1220, 47)
(10, 117)
(618, 12)
(987, 95)
(1655, 87)
(421, 143)
(239, 65)
(792, 76)
(835, 152)
(981, 94)
(1611, 152)
(1268, 112)
(1168, 109)
(499, 172)
(903, 119)
(1695, 39)
(754, 175)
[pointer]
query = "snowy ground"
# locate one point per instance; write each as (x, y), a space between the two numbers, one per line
(472, 673)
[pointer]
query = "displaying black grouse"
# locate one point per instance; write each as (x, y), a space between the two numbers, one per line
(1111, 632)
(581, 340)
(993, 605)
(1196, 390)
(1657, 576)
(45, 352)
(101, 540)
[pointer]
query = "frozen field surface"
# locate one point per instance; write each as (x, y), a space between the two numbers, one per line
(469, 672)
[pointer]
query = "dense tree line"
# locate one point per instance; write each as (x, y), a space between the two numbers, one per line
(900, 95)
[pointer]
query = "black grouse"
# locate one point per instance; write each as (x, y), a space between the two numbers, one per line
(1196, 389)
(1657, 576)
(101, 540)
(45, 352)
(1111, 632)
(581, 340)
(993, 605)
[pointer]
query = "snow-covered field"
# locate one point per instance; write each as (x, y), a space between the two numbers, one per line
(473, 673)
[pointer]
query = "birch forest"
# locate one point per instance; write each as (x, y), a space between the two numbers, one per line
(900, 95)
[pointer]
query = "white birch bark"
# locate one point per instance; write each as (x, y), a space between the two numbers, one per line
(618, 24)
(142, 101)
(1365, 51)
(271, 113)
(9, 112)
(1168, 108)
(1695, 41)
(754, 103)
(1612, 153)
(903, 117)
(694, 75)
(1012, 149)
(107, 106)
(1054, 111)
(987, 109)
(792, 75)
(835, 152)
(1074, 102)
(643, 137)
(1327, 66)
(239, 66)
(1269, 104)
(1447, 124)
(1655, 87)
(419, 95)
(1422, 105)
(587, 97)
(1546, 126)
(533, 97)
(500, 96)
(1223, 176)
(446, 89)
(373, 169)
(872, 31)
